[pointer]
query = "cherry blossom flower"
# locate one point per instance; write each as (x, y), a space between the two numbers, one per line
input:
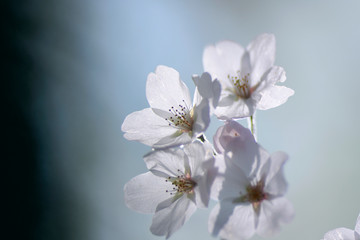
(171, 119)
(344, 233)
(250, 188)
(178, 182)
(247, 76)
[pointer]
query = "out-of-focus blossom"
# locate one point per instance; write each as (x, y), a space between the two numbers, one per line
(230, 131)
(250, 187)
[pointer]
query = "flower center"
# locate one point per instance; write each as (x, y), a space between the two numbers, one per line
(182, 117)
(254, 194)
(181, 184)
(241, 84)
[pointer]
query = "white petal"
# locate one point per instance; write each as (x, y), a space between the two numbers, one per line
(144, 192)
(261, 56)
(176, 139)
(170, 219)
(234, 108)
(271, 77)
(231, 182)
(273, 214)
(197, 97)
(275, 75)
(201, 118)
(146, 127)
(166, 162)
(340, 234)
(218, 175)
(202, 190)
(261, 166)
(250, 157)
(275, 183)
(222, 59)
(274, 96)
(196, 155)
(202, 170)
(232, 222)
(164, 89)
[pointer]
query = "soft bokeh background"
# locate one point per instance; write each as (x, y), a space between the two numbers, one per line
(86, 67)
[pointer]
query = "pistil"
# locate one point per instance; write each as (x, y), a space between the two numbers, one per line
(254, 194)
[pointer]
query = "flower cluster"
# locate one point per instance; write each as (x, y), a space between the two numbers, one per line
(186, 170)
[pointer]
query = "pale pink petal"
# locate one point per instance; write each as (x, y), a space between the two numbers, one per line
(273, 214)
(231, 181)
(146, 127)
(275, 183)
(232, 222)
(168, 220)
(228, 132)
(218, 175)
(340, 234)
(144, 192)
(261, 166)
(164, 89)
(250, 157)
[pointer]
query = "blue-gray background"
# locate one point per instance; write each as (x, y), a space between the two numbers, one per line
(95, 57)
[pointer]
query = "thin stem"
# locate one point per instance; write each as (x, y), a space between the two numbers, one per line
(252, 125)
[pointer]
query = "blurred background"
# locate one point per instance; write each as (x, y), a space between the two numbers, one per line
(73, 70)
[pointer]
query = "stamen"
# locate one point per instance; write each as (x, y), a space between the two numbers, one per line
(181, 184)
(241, 84)
(181, 117)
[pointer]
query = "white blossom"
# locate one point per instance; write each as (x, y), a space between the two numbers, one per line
(247, 76)
(171, 119)
(178, 182)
